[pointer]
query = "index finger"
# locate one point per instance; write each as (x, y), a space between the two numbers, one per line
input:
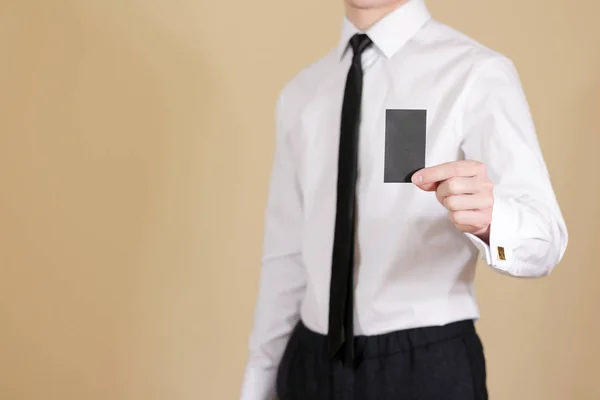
(442, 172)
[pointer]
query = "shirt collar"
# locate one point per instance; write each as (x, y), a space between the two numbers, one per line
(391, 32)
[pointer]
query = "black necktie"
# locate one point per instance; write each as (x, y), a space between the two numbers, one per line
(341, 293)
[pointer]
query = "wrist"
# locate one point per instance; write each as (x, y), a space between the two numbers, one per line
(484, 234)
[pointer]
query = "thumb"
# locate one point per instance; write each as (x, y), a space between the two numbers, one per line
(428, 187)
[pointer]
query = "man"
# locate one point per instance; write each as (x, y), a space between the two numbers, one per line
(367, 277)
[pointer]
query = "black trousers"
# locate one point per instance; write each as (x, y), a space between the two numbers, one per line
(433, 363)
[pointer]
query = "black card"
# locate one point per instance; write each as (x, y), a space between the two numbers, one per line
(405, 133)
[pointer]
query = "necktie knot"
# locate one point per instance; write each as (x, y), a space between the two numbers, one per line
(359, 43)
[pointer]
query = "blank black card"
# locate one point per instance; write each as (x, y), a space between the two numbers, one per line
(405, 133)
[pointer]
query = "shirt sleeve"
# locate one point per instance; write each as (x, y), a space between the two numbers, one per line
(528, 236)
(283, 277)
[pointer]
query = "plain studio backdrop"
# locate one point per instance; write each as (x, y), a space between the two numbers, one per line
(136, 141)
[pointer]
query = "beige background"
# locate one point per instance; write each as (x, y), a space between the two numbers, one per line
(135, 147)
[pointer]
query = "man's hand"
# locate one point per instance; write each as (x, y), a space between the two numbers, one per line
(465, 190)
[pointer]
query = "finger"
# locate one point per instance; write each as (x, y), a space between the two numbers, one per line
(429, 187)
(468, 228)
(456, 186)
(464, 168)
(477, 218)
(467, 202)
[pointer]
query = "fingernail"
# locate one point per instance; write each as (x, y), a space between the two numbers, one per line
(418, 179)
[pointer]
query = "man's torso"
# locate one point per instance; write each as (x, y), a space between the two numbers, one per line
(412, 267)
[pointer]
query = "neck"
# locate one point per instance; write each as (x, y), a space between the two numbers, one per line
(365, 17)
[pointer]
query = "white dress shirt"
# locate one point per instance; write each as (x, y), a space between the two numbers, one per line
(413, 268)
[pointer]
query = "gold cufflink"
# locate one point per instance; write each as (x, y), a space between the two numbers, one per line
(501, 253)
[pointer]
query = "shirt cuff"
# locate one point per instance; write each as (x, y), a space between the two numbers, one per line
(259, 384)
(499, 252)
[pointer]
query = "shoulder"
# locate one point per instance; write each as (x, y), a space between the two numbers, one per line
(301, 87)
(457, 49)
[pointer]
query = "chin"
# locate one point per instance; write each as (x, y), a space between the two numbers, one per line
(367, 4)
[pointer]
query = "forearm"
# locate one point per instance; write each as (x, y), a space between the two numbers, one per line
(527, 236)
(276, 313)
